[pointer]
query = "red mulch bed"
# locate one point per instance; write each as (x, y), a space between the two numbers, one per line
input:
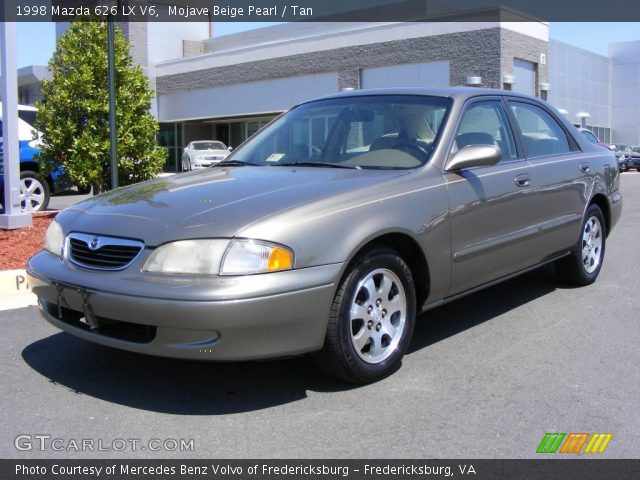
(16, 246)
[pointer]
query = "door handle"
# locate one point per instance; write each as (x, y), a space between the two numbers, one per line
(523, 180)
(585, 167)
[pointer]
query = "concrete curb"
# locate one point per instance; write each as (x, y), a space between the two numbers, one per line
(15, 291)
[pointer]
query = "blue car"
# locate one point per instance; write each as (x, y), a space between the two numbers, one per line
(36, 187)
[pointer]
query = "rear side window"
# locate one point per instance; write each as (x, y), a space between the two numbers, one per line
(590, 136)
(485, 123)
(28, 116)
(542, 135)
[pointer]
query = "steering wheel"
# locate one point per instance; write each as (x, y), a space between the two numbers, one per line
(408, 146)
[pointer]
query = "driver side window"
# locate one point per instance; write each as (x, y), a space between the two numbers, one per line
(485, 123)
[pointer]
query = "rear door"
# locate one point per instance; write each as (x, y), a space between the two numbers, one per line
(493, 211)
(563, 174)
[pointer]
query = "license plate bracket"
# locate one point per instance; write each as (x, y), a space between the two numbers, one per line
(85, 295)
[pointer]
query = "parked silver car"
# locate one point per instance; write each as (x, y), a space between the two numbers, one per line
(328, 231)
(203, 153)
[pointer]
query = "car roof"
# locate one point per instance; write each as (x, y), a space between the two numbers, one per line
(456, 93)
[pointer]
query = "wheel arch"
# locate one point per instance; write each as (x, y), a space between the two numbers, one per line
(601, 201)
(412, 254)
(30, 165)
(33, 166)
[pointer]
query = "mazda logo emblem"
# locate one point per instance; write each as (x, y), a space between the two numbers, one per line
(94, 243)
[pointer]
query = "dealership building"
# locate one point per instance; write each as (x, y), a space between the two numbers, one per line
(227, 87)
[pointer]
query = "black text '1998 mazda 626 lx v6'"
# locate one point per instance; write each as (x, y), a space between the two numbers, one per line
(331, 229)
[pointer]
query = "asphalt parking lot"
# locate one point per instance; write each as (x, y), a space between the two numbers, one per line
(486, 377)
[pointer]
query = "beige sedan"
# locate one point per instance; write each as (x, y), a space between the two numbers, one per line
(331, 229)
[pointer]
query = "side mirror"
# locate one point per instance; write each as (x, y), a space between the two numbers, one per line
(230, 149)
(474, 156)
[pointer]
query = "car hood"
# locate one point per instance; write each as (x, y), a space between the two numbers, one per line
(216, 202)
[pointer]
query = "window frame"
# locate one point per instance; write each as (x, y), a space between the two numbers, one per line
(574, 146)
(469, 103)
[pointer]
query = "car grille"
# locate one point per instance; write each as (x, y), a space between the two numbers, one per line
(102, 253)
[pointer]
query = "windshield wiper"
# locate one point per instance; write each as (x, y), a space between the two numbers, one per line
(233, 163)
(318, 164)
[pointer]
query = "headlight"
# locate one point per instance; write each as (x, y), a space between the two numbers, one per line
(188, 256)
(54, 239)
(251, 256)
(223, 257)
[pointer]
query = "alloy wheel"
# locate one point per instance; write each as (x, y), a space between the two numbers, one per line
(377, 316)
(591, 244)
(32, 194)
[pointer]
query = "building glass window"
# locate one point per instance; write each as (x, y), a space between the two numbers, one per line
(603, 133)
(168, 138)
(237, 133)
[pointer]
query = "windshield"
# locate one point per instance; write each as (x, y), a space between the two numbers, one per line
(376, 132)
(209, 146)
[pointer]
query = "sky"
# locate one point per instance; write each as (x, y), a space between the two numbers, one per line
(36, 41)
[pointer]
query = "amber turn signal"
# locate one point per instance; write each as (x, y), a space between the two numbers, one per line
(280, 259)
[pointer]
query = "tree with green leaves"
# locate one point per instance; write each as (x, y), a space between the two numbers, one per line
(74, 114)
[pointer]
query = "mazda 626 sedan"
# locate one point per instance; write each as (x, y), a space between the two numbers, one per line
(331, 229)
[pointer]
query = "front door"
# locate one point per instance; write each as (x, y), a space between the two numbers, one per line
(493, 228)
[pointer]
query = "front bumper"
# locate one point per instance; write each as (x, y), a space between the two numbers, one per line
(214, 318)
(204, 163)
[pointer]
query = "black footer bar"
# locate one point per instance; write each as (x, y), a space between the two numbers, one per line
(547, 469)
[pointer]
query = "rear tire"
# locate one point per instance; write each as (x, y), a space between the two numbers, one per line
(371, 320)
(34, 192)
(583, 265)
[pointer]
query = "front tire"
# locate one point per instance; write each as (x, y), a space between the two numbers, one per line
(371, 320)
(583, 265)
(34, 192)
